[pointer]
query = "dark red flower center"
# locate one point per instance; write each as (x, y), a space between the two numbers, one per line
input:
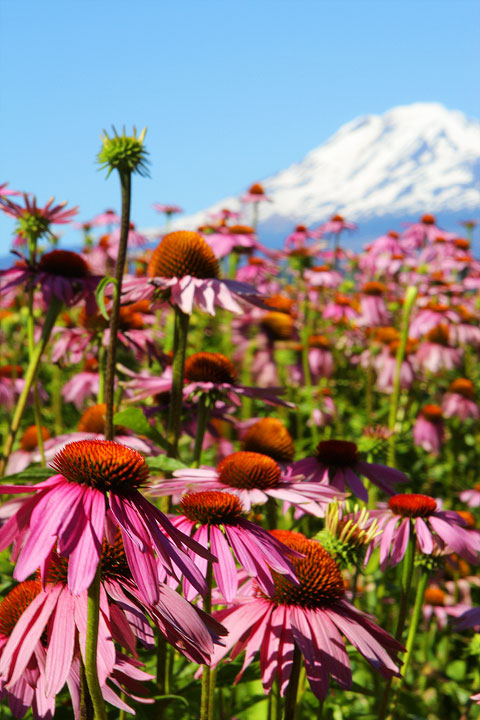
(301, 229)
(412, 505)
(339, 453)
(320, 579)
(15, 603)
(462, 386)
(102, 464)
(432, 412)
(210, 367)
(183, 253)
(212, 507)
(428, 219)
(393, 234)
(249, 470)
(65, 263)
(11, 371)
(269, 436)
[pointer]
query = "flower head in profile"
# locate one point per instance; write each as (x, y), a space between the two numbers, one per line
(184, 270)
(60, 274)
(96, 492)
(339, 463)
(34, 221)
(220, 517)
(269, 436)
(125, 153)
(254, 478)
(417, 514)
(309, 618)
(255, 194)
(169, 210)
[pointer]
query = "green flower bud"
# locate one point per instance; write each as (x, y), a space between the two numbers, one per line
(124, 153)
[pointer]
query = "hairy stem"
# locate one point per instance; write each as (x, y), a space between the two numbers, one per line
(91, 672)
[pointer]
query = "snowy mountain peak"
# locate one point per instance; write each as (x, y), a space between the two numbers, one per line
(410, 160)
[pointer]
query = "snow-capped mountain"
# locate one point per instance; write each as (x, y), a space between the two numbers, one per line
(378, 171)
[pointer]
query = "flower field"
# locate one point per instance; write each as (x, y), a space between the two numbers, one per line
(238, 482)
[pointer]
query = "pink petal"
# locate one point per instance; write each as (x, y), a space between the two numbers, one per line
(60, 643)
(225, 570)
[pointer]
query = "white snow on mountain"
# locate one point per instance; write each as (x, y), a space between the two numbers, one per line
(411, 160)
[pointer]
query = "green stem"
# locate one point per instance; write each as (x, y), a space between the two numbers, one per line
(30, 375)
(86, 707)
(410, 296)
(102, 369)
(36, 400)
(91, 672)
(407, 574)
(176, 396)
(416, 614)
(57, 399)
(126, 188)
(290, 712)
(202, 420)
(206, 700)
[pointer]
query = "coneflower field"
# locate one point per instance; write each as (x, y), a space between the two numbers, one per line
(238, 482)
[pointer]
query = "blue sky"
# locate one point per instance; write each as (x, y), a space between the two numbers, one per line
(231, 91)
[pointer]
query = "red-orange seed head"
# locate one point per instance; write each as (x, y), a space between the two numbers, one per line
(212, 507)
(15, 603)
(210, 367)
(29, 439)
(412, 505)
(269, 436)
(183, 253)
(249, 470)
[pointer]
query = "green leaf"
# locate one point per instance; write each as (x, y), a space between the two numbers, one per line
(456, 670)
(172, 697)
(35, 474)
(164, 463)
(134, 419)
(99, 294)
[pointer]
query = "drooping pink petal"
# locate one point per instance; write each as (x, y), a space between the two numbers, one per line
(316, 671)
(424, 536)
(224, 569)
(60, 643)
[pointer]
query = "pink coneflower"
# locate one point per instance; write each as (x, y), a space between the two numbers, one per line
(24, 456)
(441, 605)
(225, 214)
(428, 431)
(184, 268)
(335, 225)
(372, 305)
(4, 190)
(320, 358)
(430, 317)
(323, 276)
(95, 493)
(269, 436)
(36, 219)
(409, 512)
(254, 478)
(308, 619)
(167, 209)
(459, 400)
(83, 384)
(435, 353)
(218, 517)
(108, 217)
(135, 240)
(342, 309)
(255, 194)
(386, 362)
(11, 385)
(234, 238)
(256, 271)
(338, 463)
(326, 410)
(298, 237)
(426, 230)
(61, 274)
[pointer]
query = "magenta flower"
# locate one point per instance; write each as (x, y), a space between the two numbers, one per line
(218, 518)
(338, 463)
(309, 618)
(342, 309)
(471, 497)
(442, 606)
(435, 353)
(185, 268)
(372, 305)
(254, 478)
(61, 274)
(428, 431)
(335, 225)
(167, 209)
(410, 513)
(234, 238)
(39, 219)
(95, 493)
(4, 190)
(323, 276)
(108, 217)
(255, 194)
(459, 402)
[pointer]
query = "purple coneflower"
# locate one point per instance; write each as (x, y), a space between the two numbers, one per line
(96, 492)
(459, 400)
(338, 463)
(428, 431)
(307, 619)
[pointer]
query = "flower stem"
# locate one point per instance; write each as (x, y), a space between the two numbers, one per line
(176, 396)
(101, 373)
(208, 678)
(36, 400)
(410, 296)
(126, 189)
(291, 693)
(416, 613)
(202, 420)
(91, 672)
(30, 375)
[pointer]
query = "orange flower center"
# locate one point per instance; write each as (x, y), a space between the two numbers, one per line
(102, 464)
(412, 505)
(462, 386)
(183, 253)
(393, 234)
(339, 453)
(256, 189)
(468, 517)
(212, 508)
(65, 263)
(209, 367)
(241, 230)
(301, 228)
(343, 300)
(278, 325)
(15, 603)
(386, 335)
(280, 303)
(321, 268)
(90, 365)
(29, 439)
(434, 596)
(374, 288)
(269, 436)
(249, 470)
(318, 341)
(337, 218)
(93, 419)
(428, 219)
(432, 412)
(320, 579)
(438, 334)
(462, 243)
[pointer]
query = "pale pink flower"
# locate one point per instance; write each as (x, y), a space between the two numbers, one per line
(167, 209)
(459, 400)
(256, 194)
(428, 431)
(334, 226)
